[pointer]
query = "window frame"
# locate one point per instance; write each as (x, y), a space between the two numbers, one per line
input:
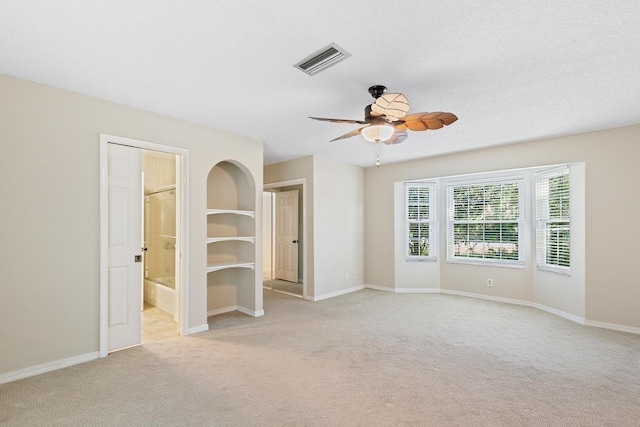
(431, 221)
(451, 185)
(542, 221)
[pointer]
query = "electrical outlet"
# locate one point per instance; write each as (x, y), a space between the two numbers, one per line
(346, 276)
(490, 282)
(355, 274)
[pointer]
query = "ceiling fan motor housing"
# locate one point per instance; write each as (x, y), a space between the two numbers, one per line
(377, 91)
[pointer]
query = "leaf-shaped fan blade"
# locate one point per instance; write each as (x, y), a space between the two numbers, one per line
(400, 126)
(353, 122)
(350, 134)
(397, 138)
(427, 121)
(393, 106)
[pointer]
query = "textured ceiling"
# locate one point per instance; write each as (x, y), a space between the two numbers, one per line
(511, 70)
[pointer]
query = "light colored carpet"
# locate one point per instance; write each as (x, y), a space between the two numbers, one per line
(364, 359)
(284, 286)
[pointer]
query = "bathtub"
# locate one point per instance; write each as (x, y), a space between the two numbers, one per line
(160, 295)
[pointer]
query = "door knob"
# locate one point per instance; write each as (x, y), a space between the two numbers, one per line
(295, 241)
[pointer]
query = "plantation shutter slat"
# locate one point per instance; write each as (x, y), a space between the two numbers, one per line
(419, 220)
(484, 221)
(553, 222)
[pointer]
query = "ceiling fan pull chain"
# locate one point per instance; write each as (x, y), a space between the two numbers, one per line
(377, 154)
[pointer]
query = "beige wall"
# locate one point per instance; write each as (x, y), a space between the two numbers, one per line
(334, 211)
(338, 220)
(611, 174)
(49, 256)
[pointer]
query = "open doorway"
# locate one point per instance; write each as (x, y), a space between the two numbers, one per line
(284, 238)
(132, 235)
(159, 291)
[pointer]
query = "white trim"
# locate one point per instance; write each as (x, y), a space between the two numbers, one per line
(613, 327)
(337, 293)
(222, 310)
(559, 313)
(249, 312)
(487, 297)
(417, 290)
(197, 329)
(404, 290)
(380, 288)
(556, 312)
(47, 367)
(305, 234)
(183, 294)
(231, 308)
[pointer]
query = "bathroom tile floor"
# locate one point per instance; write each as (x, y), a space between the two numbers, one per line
(157, 324)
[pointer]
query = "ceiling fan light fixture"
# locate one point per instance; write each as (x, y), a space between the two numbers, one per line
(378, 133)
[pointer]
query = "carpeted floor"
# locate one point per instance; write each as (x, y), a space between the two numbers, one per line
(364, 359)
(284, 286)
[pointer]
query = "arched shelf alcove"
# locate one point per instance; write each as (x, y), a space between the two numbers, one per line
(231, 231)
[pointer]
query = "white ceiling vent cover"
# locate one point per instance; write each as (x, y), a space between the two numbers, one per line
(322, 59)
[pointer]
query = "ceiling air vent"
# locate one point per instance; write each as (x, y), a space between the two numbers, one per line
(322, 59)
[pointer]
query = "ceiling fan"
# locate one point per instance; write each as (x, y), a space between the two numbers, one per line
(387, 121)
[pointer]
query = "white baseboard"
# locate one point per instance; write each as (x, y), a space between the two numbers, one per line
(381, 288)
(250, 312)
(231, 308)
(559, 313)
(198, 329)
(556, 312)
(613, 326)
(222, 310)
(417, 291)
(47, 367)
(486, 297)
(338, 293)
(404, 290)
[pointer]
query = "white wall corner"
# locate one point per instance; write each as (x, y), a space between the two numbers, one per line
(47, 367)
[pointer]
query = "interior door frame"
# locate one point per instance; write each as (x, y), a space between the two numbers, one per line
(305, 264)
(183, 224)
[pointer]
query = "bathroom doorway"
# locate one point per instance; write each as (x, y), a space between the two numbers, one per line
(160, 301)
(122, 244)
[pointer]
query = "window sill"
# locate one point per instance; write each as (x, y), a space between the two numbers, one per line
(555, 270)
(515, 264)
(421, 259)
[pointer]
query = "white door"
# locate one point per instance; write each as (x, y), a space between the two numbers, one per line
(125, 244)
(287, 236)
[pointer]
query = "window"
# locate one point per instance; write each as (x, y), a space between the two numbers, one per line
(484, 221)
(553, 227)
(420, 214)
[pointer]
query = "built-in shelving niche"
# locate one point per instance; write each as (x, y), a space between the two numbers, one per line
(231, 231)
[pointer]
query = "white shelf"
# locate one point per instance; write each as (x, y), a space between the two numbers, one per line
(249, 239)
(252, 214)
(222, 265)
